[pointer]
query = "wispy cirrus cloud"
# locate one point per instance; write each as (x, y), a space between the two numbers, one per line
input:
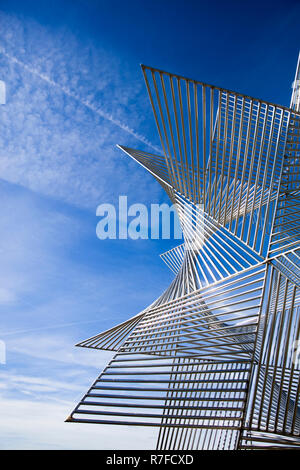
(91, 106)
(56, 347)
(68, 104)
(39, 424)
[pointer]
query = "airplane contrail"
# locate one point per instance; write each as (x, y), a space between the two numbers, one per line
(83, 102)
(50, 327)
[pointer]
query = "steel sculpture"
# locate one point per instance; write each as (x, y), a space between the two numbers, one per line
(213, 363)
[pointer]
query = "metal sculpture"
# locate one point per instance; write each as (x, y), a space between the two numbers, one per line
(213, 363)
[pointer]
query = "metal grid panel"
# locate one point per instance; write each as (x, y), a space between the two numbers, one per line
(211, 361)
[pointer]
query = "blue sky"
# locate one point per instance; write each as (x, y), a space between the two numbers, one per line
(74, 91)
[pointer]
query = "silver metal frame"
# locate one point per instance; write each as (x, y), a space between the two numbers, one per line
(211, 362)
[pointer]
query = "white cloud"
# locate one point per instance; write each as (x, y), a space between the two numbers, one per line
(84, 102)
(56, 347)
(6, 295)
(29, 384)
(36, 425)
(66, 109)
